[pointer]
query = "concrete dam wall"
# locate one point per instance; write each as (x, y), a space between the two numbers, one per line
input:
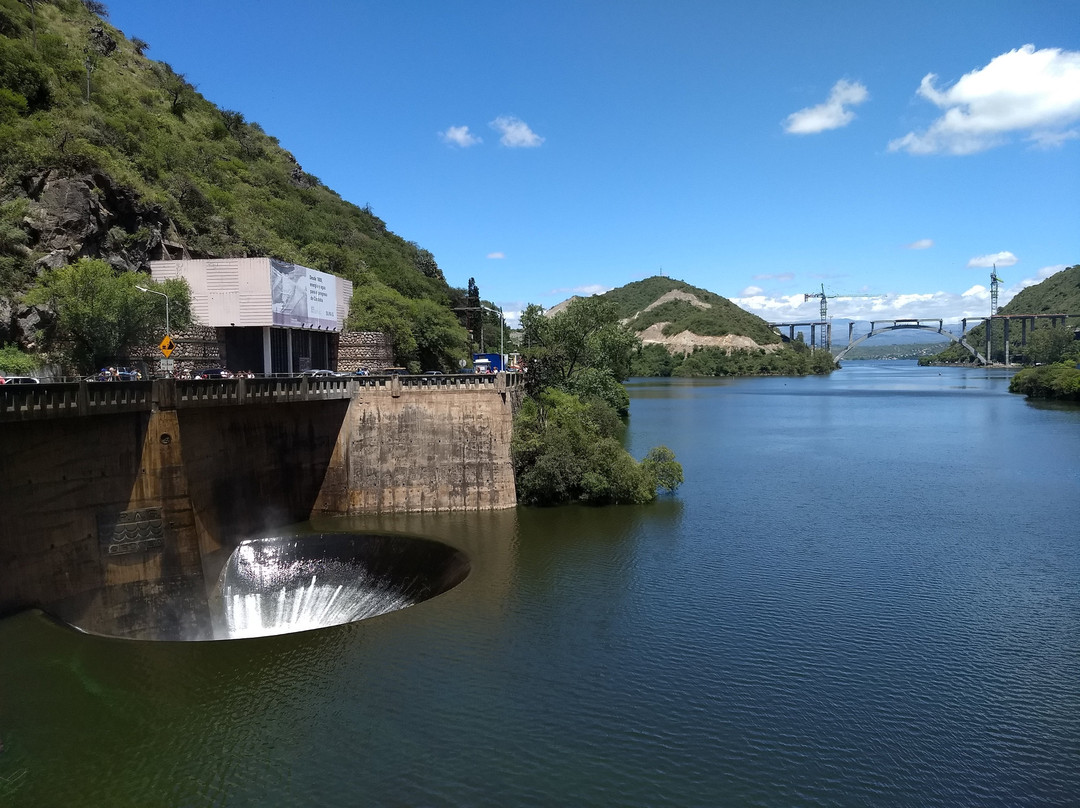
(122, 502)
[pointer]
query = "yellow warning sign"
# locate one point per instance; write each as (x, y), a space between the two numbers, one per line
(167, 345)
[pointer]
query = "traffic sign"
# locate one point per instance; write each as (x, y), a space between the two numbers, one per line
(167, 346)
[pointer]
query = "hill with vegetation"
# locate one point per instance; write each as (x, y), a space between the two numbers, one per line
(682, 317)
(1058, 294)
(107, 154)
(688, 331)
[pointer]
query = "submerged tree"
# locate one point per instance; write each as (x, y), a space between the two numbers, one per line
(566, 445)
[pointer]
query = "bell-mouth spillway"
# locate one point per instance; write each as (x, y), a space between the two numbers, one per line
(276, 585)
(297, 583)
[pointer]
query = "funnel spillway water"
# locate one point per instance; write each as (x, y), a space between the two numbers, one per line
(281, 585)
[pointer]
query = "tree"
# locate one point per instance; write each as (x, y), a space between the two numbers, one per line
(178, 90)
(99, 314)
(14, 362)
(1047, 345)
(566, 450)
(586, 335)
(421, 330)
(440, 339)
(662, 468)
(376, 307)
(566, 435)
(473, 320)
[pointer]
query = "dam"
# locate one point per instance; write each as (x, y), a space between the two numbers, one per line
(123, 503)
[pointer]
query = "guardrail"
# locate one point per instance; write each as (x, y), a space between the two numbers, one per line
(25, 402)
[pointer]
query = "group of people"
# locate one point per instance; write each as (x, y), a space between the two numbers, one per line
(111, 374)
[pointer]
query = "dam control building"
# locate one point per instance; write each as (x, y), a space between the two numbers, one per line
(270, 316)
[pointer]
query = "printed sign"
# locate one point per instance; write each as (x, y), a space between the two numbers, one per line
(302, 297)
(167, 346)
(131, 531)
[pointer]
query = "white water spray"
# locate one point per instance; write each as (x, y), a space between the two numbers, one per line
(279, 586)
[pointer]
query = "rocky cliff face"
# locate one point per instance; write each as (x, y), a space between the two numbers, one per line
(84, 216)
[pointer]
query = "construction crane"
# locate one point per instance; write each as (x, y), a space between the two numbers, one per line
(824, 297)
(825, 310)
(995, 281)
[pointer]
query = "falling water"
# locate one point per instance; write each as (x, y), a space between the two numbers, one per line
(278, 586)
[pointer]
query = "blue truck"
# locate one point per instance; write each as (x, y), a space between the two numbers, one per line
(487, 362)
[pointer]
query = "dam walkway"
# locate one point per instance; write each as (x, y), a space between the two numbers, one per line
(35, 402)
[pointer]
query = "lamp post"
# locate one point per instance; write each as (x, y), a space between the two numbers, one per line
(502, 333)
(168, 361)
(502, 326)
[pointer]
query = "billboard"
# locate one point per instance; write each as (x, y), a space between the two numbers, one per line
(302, 297)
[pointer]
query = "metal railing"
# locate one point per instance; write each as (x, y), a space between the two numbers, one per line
(24, 402)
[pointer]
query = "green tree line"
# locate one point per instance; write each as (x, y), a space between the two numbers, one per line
(566, 445)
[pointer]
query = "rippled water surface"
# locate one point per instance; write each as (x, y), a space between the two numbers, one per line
(866, 593)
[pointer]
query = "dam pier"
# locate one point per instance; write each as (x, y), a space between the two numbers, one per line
(122, 502)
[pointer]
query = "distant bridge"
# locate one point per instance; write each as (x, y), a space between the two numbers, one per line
(821, 331)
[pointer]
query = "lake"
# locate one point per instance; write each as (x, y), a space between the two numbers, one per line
(867, 592)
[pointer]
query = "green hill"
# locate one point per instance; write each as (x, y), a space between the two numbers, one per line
(677, 307)
(1058, 294)
(688, 331)
(105, 153)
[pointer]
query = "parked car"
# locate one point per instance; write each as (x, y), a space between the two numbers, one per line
(320, 374)
(19, 380)
(211, 373)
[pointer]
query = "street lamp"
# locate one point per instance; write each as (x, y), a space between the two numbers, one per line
(502, 332)
(168, 361)
(502, 326)
(155, 292)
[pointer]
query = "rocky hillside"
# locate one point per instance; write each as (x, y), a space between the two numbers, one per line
(681, 317)
(107, 154)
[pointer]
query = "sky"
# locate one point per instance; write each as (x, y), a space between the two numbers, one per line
(760, 150)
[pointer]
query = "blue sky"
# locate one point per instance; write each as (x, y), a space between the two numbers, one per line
(758, 150)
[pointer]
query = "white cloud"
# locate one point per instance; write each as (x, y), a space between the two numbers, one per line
(1002, 259)
(515, 133)
(1022, 91)
(459, 136)
(751, 291)
(496, 255)
(1041, 276)
(832, 114)
(1053, 140)
(948, 306)
(921, 244)
(586, 290)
